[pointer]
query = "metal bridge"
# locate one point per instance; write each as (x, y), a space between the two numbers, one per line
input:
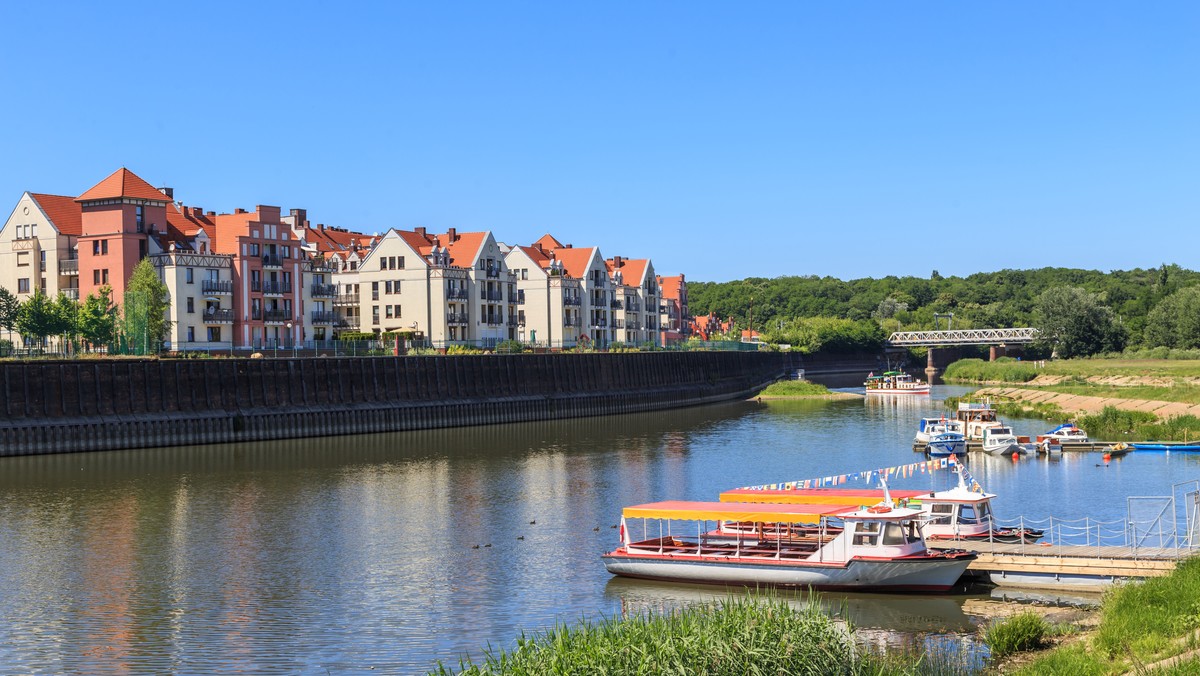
(962, 337)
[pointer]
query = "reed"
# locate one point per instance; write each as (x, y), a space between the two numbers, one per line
(757, 634)
(1019, 633)
(1003, 370)
(1114, 424)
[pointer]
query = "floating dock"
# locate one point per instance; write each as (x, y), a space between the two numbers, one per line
(1064, 567)
(975, 446)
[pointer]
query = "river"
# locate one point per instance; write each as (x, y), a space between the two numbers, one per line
(393, 551)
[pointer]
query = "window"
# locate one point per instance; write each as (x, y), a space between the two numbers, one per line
(42, 258)
(287, 281)
(374, 290)
(22, 259)
(191, 305)
(396, 286)
(96, 277)
(188, 276)
(95, 247)
(524, 273)
(392, 262)
(374, 314)
(140, 217)
(893, 534)
(387, 286)
(353, 265)
(397, 312)
(253, 248)
(191, 334)
(388, 311)
(401, 261)
(383, 262)
(104, 276)
(23, 285)
(866, 533)
(214, 334)
(104, 246)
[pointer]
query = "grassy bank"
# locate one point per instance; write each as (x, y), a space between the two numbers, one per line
(759, 634)
(1143, 626)
(1008, 370)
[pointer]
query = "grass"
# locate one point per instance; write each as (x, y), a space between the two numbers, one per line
(795, 388)
(757, 634)
(1007, 370)
(1185, 393)
(1020, 633)
(1141, 623)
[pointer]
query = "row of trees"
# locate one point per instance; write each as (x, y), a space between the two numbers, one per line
(1080, 312)
(140, 322)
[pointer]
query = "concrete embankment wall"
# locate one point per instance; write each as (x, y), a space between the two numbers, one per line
(70, 406)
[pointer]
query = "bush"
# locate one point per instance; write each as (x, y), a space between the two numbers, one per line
(510, 346)
(463, 349)
(1019, 633)
(356, 335)
(1004, 370)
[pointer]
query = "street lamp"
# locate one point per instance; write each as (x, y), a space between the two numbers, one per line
(292, 338)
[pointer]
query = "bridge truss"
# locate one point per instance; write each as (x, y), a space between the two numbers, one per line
(962, 337)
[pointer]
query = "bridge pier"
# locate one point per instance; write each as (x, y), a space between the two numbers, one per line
(995, 352)
(932, 372)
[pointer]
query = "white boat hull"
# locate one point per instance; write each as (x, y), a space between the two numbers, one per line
(932, 574)
(924, 389)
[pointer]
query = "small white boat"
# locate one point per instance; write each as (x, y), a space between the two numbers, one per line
(895, 382)
(940, 437)
(1000, 440)
(1066, 433)
(878, 548)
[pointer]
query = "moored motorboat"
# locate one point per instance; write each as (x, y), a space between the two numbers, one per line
(940, 437)
(1000, 440)
(895, 382)
(1067, 433)
(879, 548)
(946, 444)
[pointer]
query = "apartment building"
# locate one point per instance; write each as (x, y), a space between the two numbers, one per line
(635, 300)
(38, 246)
(551, 312)
(674, 315)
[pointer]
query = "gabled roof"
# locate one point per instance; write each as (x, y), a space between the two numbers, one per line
(535, 254)
(634, 271)
(548, 242)
(189, 221)
(123, 183)
(576, 261)
(670, 286)
(466, 247)
(64, 212)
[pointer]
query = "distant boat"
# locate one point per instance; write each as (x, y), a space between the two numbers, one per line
(895, 382)
(1066, 433)
(1000, 440)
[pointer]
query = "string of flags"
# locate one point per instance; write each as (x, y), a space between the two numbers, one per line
(901, 471)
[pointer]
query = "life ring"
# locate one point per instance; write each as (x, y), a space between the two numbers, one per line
(879, 509)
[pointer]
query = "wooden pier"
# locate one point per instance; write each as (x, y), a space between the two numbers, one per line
(976, 446)
(1080, 567)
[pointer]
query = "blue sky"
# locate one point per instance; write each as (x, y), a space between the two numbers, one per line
(721, 140)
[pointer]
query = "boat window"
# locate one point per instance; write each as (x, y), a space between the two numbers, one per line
(866, 533)
(893, 534)
(941, 513)
(985, 511)
(966, 514)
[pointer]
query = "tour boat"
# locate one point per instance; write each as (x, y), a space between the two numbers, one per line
(895, 382)
(956, 514)
(1066, 433)
(878, 548)
(940, 437)
(1000, 440)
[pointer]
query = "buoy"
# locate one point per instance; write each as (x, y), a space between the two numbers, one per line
(1107, 457)
(1016, 456)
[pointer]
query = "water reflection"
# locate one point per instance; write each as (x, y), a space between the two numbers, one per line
(393, 551)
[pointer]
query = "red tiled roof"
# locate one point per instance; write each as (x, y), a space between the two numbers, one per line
(671, 286)
(465, 247)
(575, 261)
(538, 256)
(123, 183)
(548, 242)
(187, 222)
(633, 271)
(64, 212)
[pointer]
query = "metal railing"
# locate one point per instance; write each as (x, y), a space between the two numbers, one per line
(276, 288)
(70, 292)
(457, 294)
(493, 273)
(277, 316)
(272, 261)
(323, 290)
(68, 267)
(457, 318)
(218, 316)
(964, 337)
(324, 317)
(573, 301)
(346, 299)
(216, 286)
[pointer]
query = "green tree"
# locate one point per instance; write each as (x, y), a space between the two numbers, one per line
(37, 318)
(66, 312)
(98, 318)
(1077, 323)
(9, 307)
(145, 323)
(1175, 322)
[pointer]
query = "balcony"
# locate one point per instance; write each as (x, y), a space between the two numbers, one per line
(457, 294)
(69, 267)
(493, 320)
(619, 323)
(272, 261)
(211, 287)
(218, 316)
(255, 285)
(72, 293)
(324, 317)
(633, 325)
(569, 322)
(493, 273)
(346, 323)
(573, 301)
(277, 316)
(615, 304)
(521, 297)
(276, 288)
(324, 290)
(513, 321)
(493, 295)
(632, 306)
(457, 318)
(600, 323)
(346, 299)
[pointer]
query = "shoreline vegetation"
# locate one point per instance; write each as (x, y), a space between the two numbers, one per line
(802, 389)
(1151, 626)
(1113, 400)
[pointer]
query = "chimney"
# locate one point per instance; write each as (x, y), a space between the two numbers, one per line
(301, 216)
(452, 235)
(169, 192)
(211, 214)
(321, 227)
(566, 246)
(616, 261)
(239, 211)
(419, 231)
(538, 246)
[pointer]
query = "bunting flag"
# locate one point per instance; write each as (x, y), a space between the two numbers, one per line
(903, 471)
